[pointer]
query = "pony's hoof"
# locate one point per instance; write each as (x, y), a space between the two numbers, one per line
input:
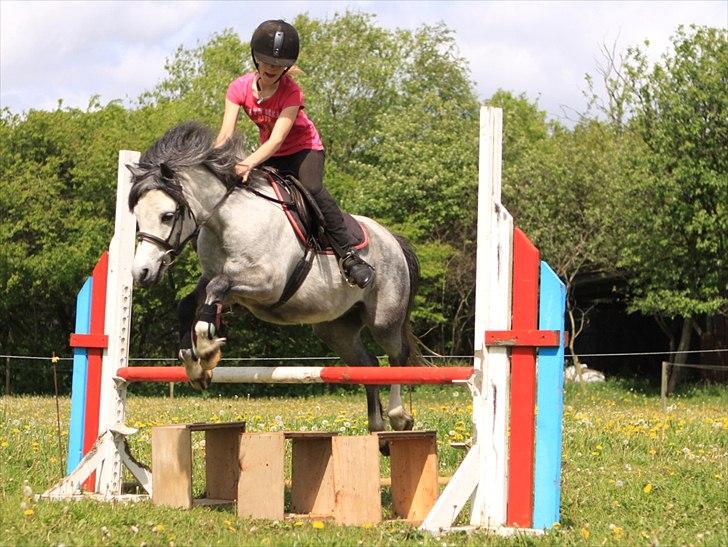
(203, 382)
(400, 420)
(383, 447)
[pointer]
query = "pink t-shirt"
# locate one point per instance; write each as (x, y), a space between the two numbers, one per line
(303, 134)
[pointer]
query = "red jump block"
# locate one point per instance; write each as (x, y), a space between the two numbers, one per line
(86, 341)
(523, 338)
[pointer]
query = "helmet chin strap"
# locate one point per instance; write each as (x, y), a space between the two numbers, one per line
(257, 81)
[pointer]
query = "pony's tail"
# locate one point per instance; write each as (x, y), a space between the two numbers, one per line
(410, 341)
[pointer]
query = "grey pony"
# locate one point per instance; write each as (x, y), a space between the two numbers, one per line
(247, 250)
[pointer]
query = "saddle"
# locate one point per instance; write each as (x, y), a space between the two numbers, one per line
(305, 216)
(308, 224)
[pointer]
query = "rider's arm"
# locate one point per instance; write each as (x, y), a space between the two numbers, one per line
(229, 120)
(282, 127)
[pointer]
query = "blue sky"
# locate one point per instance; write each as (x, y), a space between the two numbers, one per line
(73, 50)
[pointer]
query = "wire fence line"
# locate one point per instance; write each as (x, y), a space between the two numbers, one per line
(335, 358)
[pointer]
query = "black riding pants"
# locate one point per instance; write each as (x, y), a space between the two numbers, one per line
(308, 167)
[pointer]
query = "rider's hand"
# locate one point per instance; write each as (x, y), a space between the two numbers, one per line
(243, 171)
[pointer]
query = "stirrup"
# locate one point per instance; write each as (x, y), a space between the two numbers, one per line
(355, 260)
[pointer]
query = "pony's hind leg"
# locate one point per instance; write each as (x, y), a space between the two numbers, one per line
(343, 336)
(398, 347)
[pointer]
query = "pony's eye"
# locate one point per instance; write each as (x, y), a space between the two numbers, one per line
(167, 217)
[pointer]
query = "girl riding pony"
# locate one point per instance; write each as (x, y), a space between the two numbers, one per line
(289, 140)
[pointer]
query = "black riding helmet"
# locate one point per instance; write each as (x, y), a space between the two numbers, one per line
(275, 42)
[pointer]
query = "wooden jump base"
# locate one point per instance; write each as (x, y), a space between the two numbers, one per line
(306, 375)
(512, 472)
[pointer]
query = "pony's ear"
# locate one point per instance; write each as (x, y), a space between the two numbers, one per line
(135, 170)
(167, 173)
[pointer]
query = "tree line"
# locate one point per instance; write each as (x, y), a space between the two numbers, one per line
(636, 189)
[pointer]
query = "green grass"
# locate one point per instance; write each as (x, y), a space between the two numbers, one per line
(633, 474)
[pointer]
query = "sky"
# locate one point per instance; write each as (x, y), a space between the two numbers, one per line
(74, 50)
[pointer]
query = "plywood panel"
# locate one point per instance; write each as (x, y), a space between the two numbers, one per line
(172, 466)
(414, 476)
(312, 476)
(221, 461)
(260, 485)
(356, 480)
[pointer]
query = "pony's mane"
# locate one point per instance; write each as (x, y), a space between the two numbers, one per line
(185, 146)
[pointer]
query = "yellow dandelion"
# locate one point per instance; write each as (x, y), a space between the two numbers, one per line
(298, 523)
(647, 488)
(585, 533)
(158, 528)
(28, 512)
(318, 525)
(367, 525)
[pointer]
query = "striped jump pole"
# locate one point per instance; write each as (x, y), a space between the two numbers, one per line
(306, 375)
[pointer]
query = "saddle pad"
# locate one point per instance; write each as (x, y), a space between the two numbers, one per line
(304, 224)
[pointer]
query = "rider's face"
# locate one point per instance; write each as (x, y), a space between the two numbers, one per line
(270, 74)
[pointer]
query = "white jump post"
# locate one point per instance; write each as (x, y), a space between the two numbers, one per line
(482, 474)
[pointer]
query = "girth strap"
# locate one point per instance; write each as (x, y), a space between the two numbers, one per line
(297, 278)
(302, 269)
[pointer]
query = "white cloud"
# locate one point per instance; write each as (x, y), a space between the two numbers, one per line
(117, 49)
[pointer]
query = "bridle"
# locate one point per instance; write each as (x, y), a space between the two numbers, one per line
(174, 244)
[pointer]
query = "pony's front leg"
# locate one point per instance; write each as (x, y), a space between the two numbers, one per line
(187, 314)
(207, 342)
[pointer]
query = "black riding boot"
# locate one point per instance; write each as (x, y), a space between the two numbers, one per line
(354, 269)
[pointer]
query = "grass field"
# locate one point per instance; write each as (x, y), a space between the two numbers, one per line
(633, 474)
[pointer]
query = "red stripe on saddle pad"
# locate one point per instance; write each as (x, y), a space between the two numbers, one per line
(351, 223)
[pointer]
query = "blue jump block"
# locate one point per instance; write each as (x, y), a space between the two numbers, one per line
(549, 403)
(78, 384)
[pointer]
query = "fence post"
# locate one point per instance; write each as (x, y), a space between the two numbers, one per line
(7, 375)
(663, 384)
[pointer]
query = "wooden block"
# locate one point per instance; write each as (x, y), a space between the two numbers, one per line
(260, 484)
(413, 461)
(221, 461)
(172, 466)
(312, 476)
(356, 480)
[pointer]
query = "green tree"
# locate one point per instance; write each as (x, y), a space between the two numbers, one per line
(675, 208)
